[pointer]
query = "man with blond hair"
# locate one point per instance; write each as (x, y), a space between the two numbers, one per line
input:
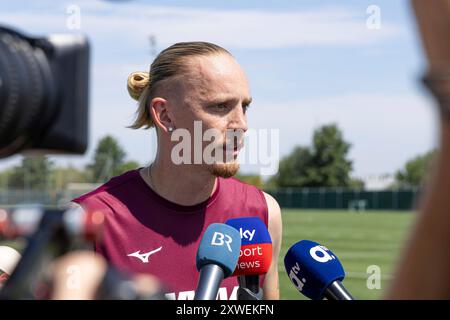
(156, 216)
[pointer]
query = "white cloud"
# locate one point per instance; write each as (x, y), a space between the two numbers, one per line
(131, 23)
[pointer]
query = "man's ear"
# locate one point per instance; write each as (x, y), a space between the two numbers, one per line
(160, 114)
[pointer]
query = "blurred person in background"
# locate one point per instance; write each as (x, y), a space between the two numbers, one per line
(424, 270)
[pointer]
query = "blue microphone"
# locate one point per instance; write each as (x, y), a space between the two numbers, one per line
(315, 271)
(217, 257)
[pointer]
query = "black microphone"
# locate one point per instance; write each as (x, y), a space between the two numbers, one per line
(337, 291)
(249, 288)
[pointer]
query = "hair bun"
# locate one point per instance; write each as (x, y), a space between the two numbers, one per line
(136, 84)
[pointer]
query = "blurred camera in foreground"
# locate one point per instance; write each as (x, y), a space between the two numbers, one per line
(43, 93)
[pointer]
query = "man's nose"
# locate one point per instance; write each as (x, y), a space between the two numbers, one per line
(238, 120)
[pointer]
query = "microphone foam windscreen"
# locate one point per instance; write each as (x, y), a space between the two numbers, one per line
(220, 245)
(312, 268)
(9, 258)
(255, 255)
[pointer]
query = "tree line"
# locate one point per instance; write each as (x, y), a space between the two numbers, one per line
(325, 163)
(39, 172)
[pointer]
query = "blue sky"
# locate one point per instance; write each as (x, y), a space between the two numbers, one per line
(308, 62)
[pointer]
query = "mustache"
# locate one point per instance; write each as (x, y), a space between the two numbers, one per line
(233, 145)
(234, 139)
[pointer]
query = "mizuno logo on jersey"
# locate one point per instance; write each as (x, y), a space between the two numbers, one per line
(143, 256)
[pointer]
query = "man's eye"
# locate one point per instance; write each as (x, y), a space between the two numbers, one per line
(221, 106)
(245, 107)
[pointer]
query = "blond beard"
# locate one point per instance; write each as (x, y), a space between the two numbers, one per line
(224, 170)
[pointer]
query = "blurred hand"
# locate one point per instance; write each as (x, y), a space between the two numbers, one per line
(85, 275)
(77, 276)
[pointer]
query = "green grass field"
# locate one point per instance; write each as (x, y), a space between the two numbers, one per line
(358, 239)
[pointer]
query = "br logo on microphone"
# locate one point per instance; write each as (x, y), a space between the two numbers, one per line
(220, 245)
(320, 254)
(219, 239)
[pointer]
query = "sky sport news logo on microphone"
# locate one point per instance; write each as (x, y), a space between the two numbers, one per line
(312, 267)
(255, 255)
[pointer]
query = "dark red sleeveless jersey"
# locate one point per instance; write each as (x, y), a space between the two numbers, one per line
(146, 233)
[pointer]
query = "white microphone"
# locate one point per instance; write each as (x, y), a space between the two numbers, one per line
(9, 258)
